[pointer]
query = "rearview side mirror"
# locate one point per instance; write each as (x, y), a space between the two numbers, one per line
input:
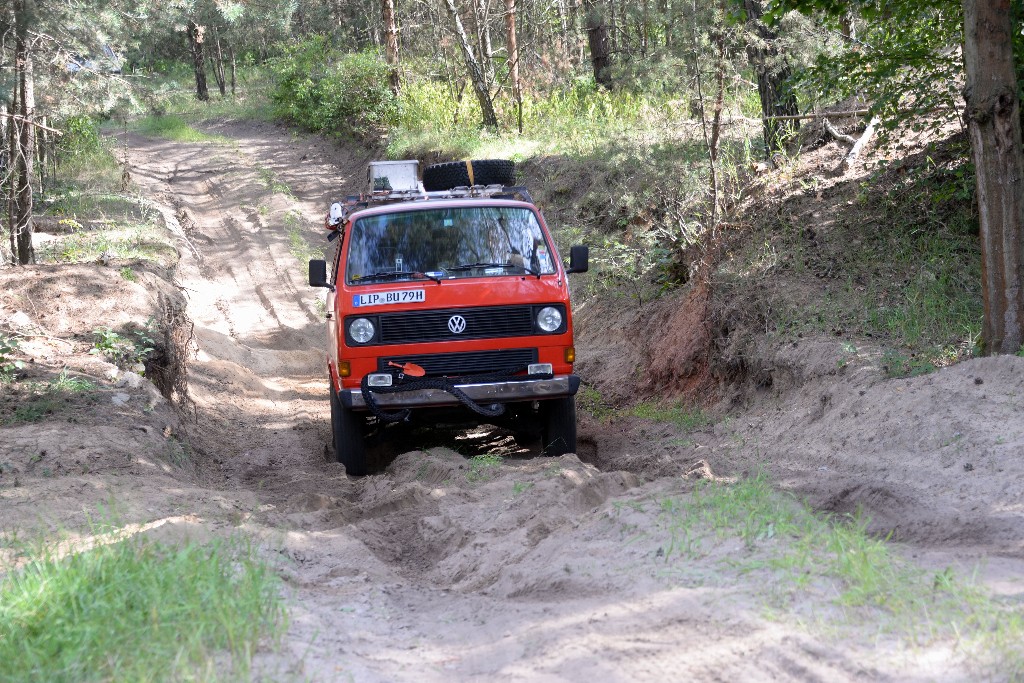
(579, 259)
(318, 274)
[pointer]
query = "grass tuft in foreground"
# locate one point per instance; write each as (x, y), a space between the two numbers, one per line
(137, 610)
(855, 577)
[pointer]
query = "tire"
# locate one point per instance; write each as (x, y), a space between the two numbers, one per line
(558, 425)
(348, 432)
(445, 176)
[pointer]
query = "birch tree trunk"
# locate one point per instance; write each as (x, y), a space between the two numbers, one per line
(217, 58)
(391, 43)
(476, 74)
(486, 49)
(994, 127)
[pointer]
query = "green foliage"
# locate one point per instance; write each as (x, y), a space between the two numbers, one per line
(81, 137)
(137, 610)
(128, 349)
(907, 63)
(327, 91)
(69, 384)
(8, 366)
(577, 119)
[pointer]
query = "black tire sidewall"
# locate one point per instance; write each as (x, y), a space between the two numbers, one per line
(348, 437)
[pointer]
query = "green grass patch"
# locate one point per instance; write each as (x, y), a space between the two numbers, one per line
(898, 262)
(87, 213)
(27, 402)
(297, 244)
(798, 555)
(483, 467)
(273, 184)
(173, 127)
(681, 415)
(149, 242)
(138, 610)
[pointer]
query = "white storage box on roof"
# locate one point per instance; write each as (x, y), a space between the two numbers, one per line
(400, 176)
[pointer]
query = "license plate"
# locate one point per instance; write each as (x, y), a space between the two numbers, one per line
(404, 296)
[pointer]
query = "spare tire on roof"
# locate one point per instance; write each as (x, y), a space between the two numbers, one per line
(457, 174)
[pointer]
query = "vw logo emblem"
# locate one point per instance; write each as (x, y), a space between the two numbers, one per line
(457, 324)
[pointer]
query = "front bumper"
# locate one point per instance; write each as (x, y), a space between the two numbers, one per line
(482, 393)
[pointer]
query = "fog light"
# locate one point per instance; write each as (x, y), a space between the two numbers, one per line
(379, 379)
(570, 354)
(539, 369)
(344, 369)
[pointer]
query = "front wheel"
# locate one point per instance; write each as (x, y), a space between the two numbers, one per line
(558, 425)
(348, 430)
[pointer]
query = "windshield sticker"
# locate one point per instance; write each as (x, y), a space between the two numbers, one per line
(404, 296)
(544, 259)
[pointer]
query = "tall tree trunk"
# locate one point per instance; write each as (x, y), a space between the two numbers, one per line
(476, 74)
(597, 38)
(217, 58)
(993, 123)
(231, 57)
(195, 47)
(11, 139)
(24, 155)
(513, 59)
(773, 71)
(391, 43)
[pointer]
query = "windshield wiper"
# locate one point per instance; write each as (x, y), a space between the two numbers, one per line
(395, 274)
(472, 266)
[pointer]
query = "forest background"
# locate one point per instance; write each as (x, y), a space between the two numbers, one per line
(676, 108)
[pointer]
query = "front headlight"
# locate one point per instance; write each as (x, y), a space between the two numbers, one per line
(361, 330)
(549, 319)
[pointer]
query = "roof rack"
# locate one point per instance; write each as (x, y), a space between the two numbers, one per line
(355, 203)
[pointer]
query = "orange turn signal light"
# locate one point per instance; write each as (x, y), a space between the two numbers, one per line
(344, 369)
(570, 354)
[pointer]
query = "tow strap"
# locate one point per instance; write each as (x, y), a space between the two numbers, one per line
(469, 169)
(442, 383)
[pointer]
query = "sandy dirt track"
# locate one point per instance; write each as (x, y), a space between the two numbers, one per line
(540, 569)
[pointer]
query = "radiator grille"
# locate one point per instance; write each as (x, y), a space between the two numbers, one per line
(480, 323)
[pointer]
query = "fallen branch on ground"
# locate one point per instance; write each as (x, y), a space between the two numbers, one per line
(841, 137)
(852, 155)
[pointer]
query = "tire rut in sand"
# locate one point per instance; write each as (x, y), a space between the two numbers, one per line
(440, 519)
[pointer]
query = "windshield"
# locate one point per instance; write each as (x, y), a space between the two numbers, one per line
(488, 241)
